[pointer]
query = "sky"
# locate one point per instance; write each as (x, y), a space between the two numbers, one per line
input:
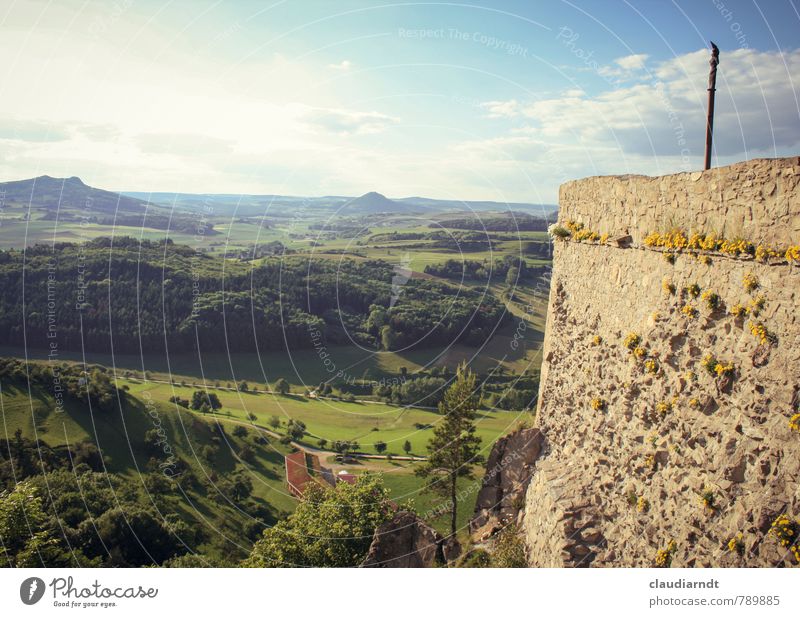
(500, 101)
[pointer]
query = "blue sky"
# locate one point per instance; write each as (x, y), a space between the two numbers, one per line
(502, 101)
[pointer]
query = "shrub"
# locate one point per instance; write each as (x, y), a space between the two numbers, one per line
(711, 300)
(785, 531)
(736, 545)
(651, 366)
(793, 253)
(750, 282)
(598, 404)
(689, 310)
(509, 549)
(757, 305)
(668, 287)
(664, 555)
(739, 310)
(642, 505)
(597, 340)
(632, 341)
(759, 330)
(640, 353)
(693, 290)
(794, 422)
(556, 231)
(708, 500)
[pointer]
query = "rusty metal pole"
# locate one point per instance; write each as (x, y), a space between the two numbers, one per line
(712, 88)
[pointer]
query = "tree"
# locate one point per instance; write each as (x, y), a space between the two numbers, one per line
(512, 275)
(199, 397)
(243, 387)
(331, 527)
(239, 431)
(296, 429)
(407, 447)
(282, 386)
(388, 338)
(454, 447)
(25, 540)
(275, 422)
(213, 400)
(380, 447)
(241, 487)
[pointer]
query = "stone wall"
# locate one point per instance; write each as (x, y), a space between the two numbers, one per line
(757, 200)
(646, 448)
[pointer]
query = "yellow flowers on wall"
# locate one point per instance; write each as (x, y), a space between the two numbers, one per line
(693, 290)
(759, 330)
(664, 555)
(598, 404)
(785, 531)
(736, 545)
(632, 341)
(750, 282)
(712, 300)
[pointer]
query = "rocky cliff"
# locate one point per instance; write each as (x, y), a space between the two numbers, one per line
(669, 393)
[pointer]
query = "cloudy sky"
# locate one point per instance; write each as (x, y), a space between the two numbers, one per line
(500, 100)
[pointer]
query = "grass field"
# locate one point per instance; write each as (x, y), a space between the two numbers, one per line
(304, 368)
(120, 436)
(334, 420)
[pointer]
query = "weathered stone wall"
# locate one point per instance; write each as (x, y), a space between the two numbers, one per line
(757, 200)
(623, 477)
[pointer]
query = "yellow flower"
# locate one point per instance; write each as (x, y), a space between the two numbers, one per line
(711, 299)
(632, 341)
(598, 404)
(689, 310)
(759, 330)
(739, 311)
(750, 282)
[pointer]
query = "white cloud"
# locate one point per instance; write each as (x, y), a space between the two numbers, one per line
(344, 65)
(663, 114)
(632, 62)
(502, 109)
(345, 122)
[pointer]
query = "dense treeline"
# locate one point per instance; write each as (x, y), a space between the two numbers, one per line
(65, 382)
(142, 295)
(497, 270)
(518, 222)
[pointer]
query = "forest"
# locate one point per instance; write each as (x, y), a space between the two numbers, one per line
(152, 295)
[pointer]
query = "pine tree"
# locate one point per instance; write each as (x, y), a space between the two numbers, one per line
(454, 447)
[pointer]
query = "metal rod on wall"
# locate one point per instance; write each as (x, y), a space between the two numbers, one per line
(712, 88)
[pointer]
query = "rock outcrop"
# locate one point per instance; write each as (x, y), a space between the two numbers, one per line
(670, 374)
(508, 473)
(407, 541)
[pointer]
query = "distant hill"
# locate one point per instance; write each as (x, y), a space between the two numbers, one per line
(53, 194)
(70, 200)
(374, 203)
(370, 203)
